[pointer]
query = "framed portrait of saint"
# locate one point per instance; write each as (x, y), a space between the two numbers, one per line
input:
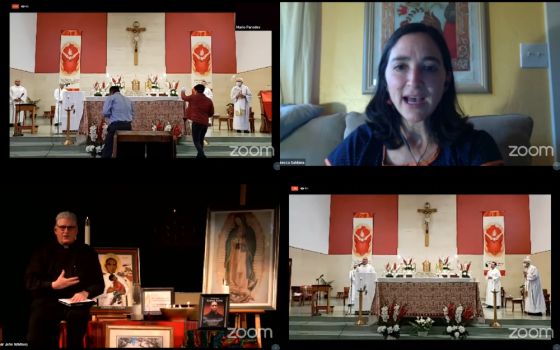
(214, 309)
(121, 271)
(241, 257)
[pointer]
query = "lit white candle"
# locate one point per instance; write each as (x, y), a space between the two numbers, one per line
(87, 232)
(188, 304)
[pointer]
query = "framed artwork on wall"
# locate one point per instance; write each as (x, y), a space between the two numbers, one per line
(463, 25)
(241, 257)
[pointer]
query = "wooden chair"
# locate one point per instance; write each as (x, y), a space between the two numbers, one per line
(252, 119)
(297, 295)
(503, 295)
(228, 118)
(345, 296)
(266, 120)
(547, 301)
(520, 301)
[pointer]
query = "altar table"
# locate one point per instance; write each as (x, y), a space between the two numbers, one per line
(147, 109)
(427, 296)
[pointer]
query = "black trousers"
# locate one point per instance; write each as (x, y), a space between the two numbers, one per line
(46, 314)
(111, 129)
(198, 132)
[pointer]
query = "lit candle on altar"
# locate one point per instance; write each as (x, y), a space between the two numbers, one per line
(188, 304)
(87, 232)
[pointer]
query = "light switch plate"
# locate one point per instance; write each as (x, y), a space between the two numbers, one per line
(533, 55)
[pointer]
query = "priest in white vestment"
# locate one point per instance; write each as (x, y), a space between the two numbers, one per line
(18, 94)
(494, 283)
(365, 277)
(534, 297)
(241, 99)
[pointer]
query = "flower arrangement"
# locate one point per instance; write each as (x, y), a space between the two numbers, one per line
(444, 264)
(173, 88)
(177, 132)
(465, 269)
(154, 81)
(117, 81)
(408, 265)
(389, 320)
(457, 318)
(422, 324)
(99, 88)
(96, 138)
(390, 270)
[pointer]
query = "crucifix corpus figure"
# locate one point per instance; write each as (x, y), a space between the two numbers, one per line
(427, 211)
(136, 30)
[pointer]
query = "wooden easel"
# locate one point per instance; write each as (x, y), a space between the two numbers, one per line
(241, 321)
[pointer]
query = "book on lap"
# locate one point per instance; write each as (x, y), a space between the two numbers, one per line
(67, 302)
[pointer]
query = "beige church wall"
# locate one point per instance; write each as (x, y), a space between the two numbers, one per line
(443, 227)
(151, 47)
(543, 262)
(27, 81)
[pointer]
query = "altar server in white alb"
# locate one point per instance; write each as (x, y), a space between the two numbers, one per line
(241, 99)
(59, 113)
(352, 291)
(494, 283)
(534, 297)
(18, 94)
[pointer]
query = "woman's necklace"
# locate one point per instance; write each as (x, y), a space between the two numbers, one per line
(412, 154)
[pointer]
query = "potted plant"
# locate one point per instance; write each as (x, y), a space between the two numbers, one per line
(389, 319)
(422, 325)
(457, 319)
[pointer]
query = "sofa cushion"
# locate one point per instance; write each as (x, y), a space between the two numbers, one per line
(315, 140)
(353, 120)
(294, 116)
(507, 130)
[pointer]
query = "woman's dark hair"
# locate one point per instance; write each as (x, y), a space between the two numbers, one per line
(445, 124)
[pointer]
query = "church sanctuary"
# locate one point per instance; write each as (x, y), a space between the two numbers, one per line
(440, 267)
(63, 65)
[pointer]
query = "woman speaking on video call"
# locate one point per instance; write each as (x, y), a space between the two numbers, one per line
(414, 118)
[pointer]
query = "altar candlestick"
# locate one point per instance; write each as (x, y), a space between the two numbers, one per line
(87, 232)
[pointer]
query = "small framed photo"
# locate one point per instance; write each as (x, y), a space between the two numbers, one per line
(155, 298)
(214, 309)
(121, 270)
(138, 336)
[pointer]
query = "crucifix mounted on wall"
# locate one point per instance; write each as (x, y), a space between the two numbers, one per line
(427, 211)
(136, 30)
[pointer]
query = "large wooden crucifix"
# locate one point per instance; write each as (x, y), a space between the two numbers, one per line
(136, 30)
(427, 211)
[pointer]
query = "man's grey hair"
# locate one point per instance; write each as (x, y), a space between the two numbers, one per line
(66, 215)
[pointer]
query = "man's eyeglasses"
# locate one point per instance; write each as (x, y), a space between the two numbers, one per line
(63, 227)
